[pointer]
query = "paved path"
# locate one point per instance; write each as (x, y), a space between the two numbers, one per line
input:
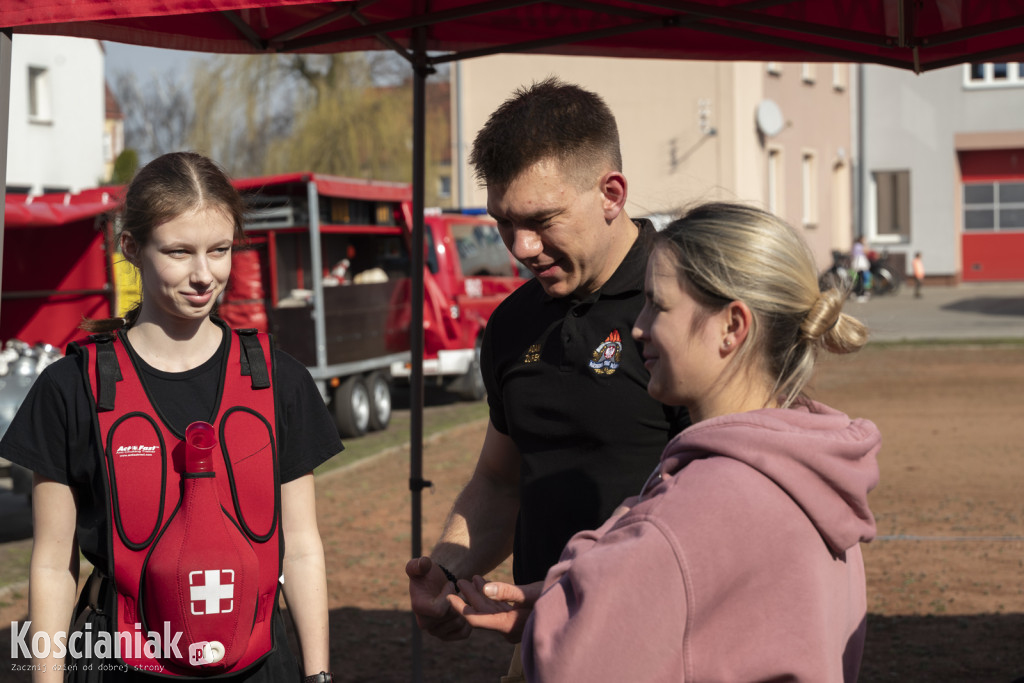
(983, 311)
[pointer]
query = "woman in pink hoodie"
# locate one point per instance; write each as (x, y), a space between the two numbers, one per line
(740, 560)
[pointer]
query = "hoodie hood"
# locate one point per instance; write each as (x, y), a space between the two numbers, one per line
(825, 461)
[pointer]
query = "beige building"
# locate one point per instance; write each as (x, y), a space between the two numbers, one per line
(690, 132)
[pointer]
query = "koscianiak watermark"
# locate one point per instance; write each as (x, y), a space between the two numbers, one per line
(91, 645)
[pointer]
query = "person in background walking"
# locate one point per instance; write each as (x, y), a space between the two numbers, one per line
(918, 266)
(862, 267)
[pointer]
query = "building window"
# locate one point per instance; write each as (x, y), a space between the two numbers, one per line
(773, 68)
(775, 204)
(994, 206)
(39, 94)
(807, 72)
(892, 204)
(808, 178)
(444, 186)
(994, 75)
(839, 77)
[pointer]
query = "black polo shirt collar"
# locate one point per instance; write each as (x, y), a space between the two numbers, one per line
(628, 278)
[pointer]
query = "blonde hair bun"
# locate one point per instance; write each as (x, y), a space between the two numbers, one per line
(827, 325)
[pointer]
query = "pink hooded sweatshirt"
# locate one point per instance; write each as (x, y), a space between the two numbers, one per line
(741, 563)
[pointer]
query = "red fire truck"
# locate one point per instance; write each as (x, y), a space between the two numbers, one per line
(469, 273)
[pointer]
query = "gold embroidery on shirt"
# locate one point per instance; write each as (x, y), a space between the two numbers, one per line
(532, 354)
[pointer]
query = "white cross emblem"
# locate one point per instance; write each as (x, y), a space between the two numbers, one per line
(212, 591)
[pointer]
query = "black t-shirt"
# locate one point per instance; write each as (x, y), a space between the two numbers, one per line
(566, 382)
(53, 434)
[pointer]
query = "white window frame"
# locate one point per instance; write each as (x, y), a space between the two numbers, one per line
(1014, 76)
(807, 72)
(39, 101)
(871, 216)
(995, 206)
(773, 68)
(839, 75)
(444, 186)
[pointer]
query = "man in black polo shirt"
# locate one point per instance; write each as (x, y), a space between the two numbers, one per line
(572, 430)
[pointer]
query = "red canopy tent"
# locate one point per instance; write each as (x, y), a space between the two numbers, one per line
(912, 34)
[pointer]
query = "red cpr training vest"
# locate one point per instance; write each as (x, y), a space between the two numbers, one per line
(196, 553)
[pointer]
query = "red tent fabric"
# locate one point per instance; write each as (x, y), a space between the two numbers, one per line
(912, 34)
(47, 212)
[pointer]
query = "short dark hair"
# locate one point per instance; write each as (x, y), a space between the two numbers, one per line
(547, 120)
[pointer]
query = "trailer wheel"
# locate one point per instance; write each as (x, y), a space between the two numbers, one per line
(380, 401)
(352, 407)
(473, 388)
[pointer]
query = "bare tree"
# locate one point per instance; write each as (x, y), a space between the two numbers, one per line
(356, 120)
(158, 114)
(345, 114)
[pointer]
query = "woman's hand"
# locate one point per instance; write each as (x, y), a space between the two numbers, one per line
(496, 606)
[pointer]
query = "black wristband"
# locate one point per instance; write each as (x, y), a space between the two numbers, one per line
(448, 575)
(322, 677)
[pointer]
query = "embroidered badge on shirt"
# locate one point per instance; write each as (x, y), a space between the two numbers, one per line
(605, 359)
(532, 354)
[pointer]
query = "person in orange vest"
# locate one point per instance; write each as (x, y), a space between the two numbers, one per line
(918, 266)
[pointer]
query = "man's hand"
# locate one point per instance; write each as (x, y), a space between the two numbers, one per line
(496, 606)
(428, 592)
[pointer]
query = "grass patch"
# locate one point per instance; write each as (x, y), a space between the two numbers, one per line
(437, 418)
(16, 556)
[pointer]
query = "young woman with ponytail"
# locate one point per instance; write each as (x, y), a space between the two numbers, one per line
(740, 560)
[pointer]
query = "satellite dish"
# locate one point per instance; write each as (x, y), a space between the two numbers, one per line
(769, 118)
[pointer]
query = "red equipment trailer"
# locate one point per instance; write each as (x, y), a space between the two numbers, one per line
(56, 267)
(327, 272)
(56, 270)
(332, 284)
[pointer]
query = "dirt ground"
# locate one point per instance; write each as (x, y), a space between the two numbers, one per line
(945, 576)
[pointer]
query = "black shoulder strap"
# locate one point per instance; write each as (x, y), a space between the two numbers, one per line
(108, 371)
(253, 362)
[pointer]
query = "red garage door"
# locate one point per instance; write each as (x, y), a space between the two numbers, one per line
(993, 218)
